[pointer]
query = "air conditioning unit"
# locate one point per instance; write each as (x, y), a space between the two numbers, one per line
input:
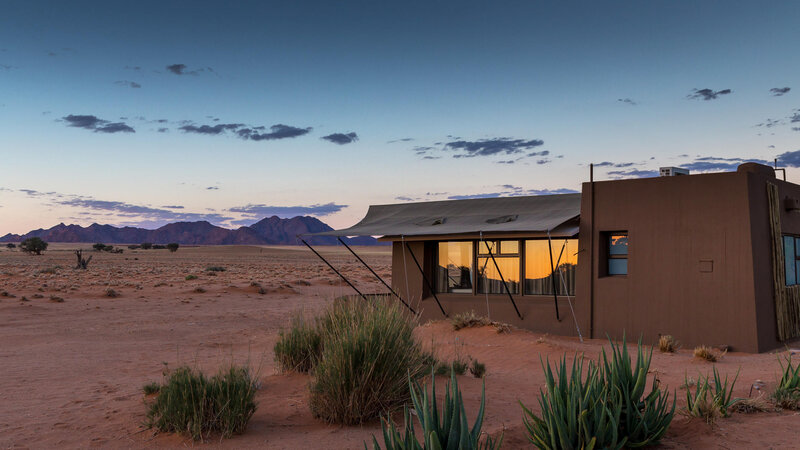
(672, 171)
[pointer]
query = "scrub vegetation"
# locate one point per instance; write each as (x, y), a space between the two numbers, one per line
(604, 406)
(190, 403)
(368, 353)
(667, 344)
(787, 391)
(707, 353)
(711, 401)
(299, 347)
(450, 432)
(471, 320)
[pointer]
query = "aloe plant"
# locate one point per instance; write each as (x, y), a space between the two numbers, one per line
(606, 408)
(710, 401)
(576, 412)
(787, 391)
(644, 419)
(452, 432)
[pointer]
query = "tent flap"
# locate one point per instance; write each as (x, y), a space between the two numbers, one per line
(539, 213)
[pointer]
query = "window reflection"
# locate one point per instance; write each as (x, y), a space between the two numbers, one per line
(489, 280)
(538, 271)
(454, 268)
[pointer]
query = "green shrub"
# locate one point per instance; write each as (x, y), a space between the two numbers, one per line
(10, 245)
(34, 246)
(215, 269)
(190, 403)
(159, 247)
(191, 277)
(787, 391)
(151, 388)
(134, 247)
(299, 347)
(173, 247)
(605, 408)
(459, 366)
(369, 350)
(147, 245)
(452, 432)
(99, 247)
(710, 401)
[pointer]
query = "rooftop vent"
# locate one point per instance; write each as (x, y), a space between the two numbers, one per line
(431, 222)
(502, 219)
(672, 171)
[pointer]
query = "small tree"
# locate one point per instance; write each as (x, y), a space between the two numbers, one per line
(10, 245)
(82, 262)
(147, 245)
(99, 247)
(34, 246)
(173, 247)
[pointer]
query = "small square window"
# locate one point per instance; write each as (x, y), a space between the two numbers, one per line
(616, 249)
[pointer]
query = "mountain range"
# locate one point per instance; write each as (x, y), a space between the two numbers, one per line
(268, 231)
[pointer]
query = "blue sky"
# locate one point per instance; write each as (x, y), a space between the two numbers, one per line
(154, 112)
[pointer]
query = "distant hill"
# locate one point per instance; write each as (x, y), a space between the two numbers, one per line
(268, 231)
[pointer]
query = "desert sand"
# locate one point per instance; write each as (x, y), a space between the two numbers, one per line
(72, 371)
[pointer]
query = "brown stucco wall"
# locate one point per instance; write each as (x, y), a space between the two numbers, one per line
(675, 225)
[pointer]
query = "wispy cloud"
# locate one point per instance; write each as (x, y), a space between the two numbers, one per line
(777, 92)
(90, 122)
(341, 138)
(633, 173)
(131, 84)
(261, 210)
(211, 129)
(707, 94)
(489, 147)
(182, 69)
(627, 101)
(279, 131)
(789, 159)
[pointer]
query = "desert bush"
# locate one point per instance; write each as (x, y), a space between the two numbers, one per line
(159, 247)
(151, 388)
(33, 246)
(469, 320)
(299, 347)
(215, 269)
(190, 403)
(10, 245)
(147, 245)
(451, 432)
(173, 247)
(199, 290)
(99, 247)
(711, 401)
(134, 247)
(707, 353)
(605, 408)
(667, 344)
(787, 391)
(191, 277)
(110, 293)
(369, 350)
(477, 369)
(49, 270)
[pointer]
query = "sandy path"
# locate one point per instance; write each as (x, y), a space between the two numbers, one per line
(71, 373)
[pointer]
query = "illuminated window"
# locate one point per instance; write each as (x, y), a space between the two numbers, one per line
(791, 255)
(454, 268)
(506, 259)
(617, 252)
(539, 272)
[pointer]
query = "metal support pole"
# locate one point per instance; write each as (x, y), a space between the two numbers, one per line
(553, 275)
(508, 291)
(424, 277)
(376, 275)
(332, 268)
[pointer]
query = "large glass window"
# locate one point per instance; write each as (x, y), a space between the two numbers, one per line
(454, 268)
(506, 258)
(539, 272)
(791, 254)
(617, 253)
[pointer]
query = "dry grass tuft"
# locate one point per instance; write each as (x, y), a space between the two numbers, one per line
(471, 320)
(110, 293)
(199, 290)
(667, 344)
(752, 405)
(707, 353)
(56, 299)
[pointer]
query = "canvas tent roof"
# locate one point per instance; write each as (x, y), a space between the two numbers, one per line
(541, 213)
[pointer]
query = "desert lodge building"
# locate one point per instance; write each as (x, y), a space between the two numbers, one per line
(710, 258)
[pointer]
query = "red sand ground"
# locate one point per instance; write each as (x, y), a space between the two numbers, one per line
(71, 372)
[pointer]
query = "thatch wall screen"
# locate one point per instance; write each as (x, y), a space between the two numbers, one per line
(787, 298)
